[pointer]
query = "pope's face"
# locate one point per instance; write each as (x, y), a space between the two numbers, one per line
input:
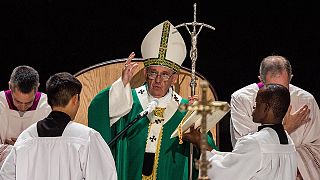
(159, 80)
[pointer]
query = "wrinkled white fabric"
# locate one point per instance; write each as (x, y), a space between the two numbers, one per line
(80, 153)
(258, 156)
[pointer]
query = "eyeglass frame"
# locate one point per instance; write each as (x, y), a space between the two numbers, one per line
(164, 77)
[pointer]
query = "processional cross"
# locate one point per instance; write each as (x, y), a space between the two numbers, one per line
(204, 108)
(194, 55)
(194, 51)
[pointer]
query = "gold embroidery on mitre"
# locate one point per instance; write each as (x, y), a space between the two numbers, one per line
(161, 59)
(159, 112)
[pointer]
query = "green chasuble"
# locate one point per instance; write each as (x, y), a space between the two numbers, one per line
(171, 158)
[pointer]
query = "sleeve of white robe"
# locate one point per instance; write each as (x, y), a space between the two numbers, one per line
(242, 163)
(308, 146)
(4, 151)
(241, 117)
(100, 164)
(120, 100)
(8, 170)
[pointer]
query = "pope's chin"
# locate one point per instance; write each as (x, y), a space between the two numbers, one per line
(157, 93)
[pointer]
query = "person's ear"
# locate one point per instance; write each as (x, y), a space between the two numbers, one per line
(175, 78)
(290, 78)
(259, 77)
(11, 86)
(145, 73)
(267, 107)
(36, 89)
(75, 99)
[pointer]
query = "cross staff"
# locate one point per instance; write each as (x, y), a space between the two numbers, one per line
(204, 108)
(194, 51)
(193, 56)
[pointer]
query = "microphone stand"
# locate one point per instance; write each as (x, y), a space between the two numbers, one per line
(126, 128)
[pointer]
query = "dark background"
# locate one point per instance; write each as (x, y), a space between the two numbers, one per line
(69, 35)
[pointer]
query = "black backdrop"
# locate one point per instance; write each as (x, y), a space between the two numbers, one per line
(69, 35)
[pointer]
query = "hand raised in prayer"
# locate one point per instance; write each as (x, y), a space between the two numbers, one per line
(293, 121)
(128, 69)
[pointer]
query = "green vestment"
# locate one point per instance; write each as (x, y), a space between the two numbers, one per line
(128, 151)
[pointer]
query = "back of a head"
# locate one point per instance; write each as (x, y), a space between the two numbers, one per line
(274, 65)
(278, 97)
(61, 87)
(25, 79)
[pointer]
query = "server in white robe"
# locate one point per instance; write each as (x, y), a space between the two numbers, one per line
(268, 154)
(302, 124)
(56, 148)
(20, 106)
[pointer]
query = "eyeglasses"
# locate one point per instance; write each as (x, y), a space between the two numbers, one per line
(164, 76)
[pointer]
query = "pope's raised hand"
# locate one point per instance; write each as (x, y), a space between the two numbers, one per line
(128, 69)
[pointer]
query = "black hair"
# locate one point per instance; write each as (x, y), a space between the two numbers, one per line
(61, 87)
(278, 97)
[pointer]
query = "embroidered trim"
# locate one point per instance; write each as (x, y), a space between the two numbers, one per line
(159, 112)
(162, 62)
(153, 175)
(180, 126)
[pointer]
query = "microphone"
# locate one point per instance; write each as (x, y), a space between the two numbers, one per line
(145, 112)
(149, 108)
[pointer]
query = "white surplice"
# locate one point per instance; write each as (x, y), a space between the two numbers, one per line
(80, 153)
(12, 123)
(258, 156)
(306, 138)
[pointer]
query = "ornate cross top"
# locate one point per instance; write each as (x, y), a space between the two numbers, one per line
(193, 50)
(204, 107)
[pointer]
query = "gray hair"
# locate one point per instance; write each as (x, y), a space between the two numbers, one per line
(25, 78)
(275, 65)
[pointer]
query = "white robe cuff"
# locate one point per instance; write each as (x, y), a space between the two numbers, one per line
(120, 100)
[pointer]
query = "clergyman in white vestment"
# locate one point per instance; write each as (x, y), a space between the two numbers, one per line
(302, 124)
(56, 148)
(20, 106)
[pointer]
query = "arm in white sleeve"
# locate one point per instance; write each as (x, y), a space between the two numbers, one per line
(100, 164)
(120, 100)
(243, 162)
(307, 142)
(8, 169)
